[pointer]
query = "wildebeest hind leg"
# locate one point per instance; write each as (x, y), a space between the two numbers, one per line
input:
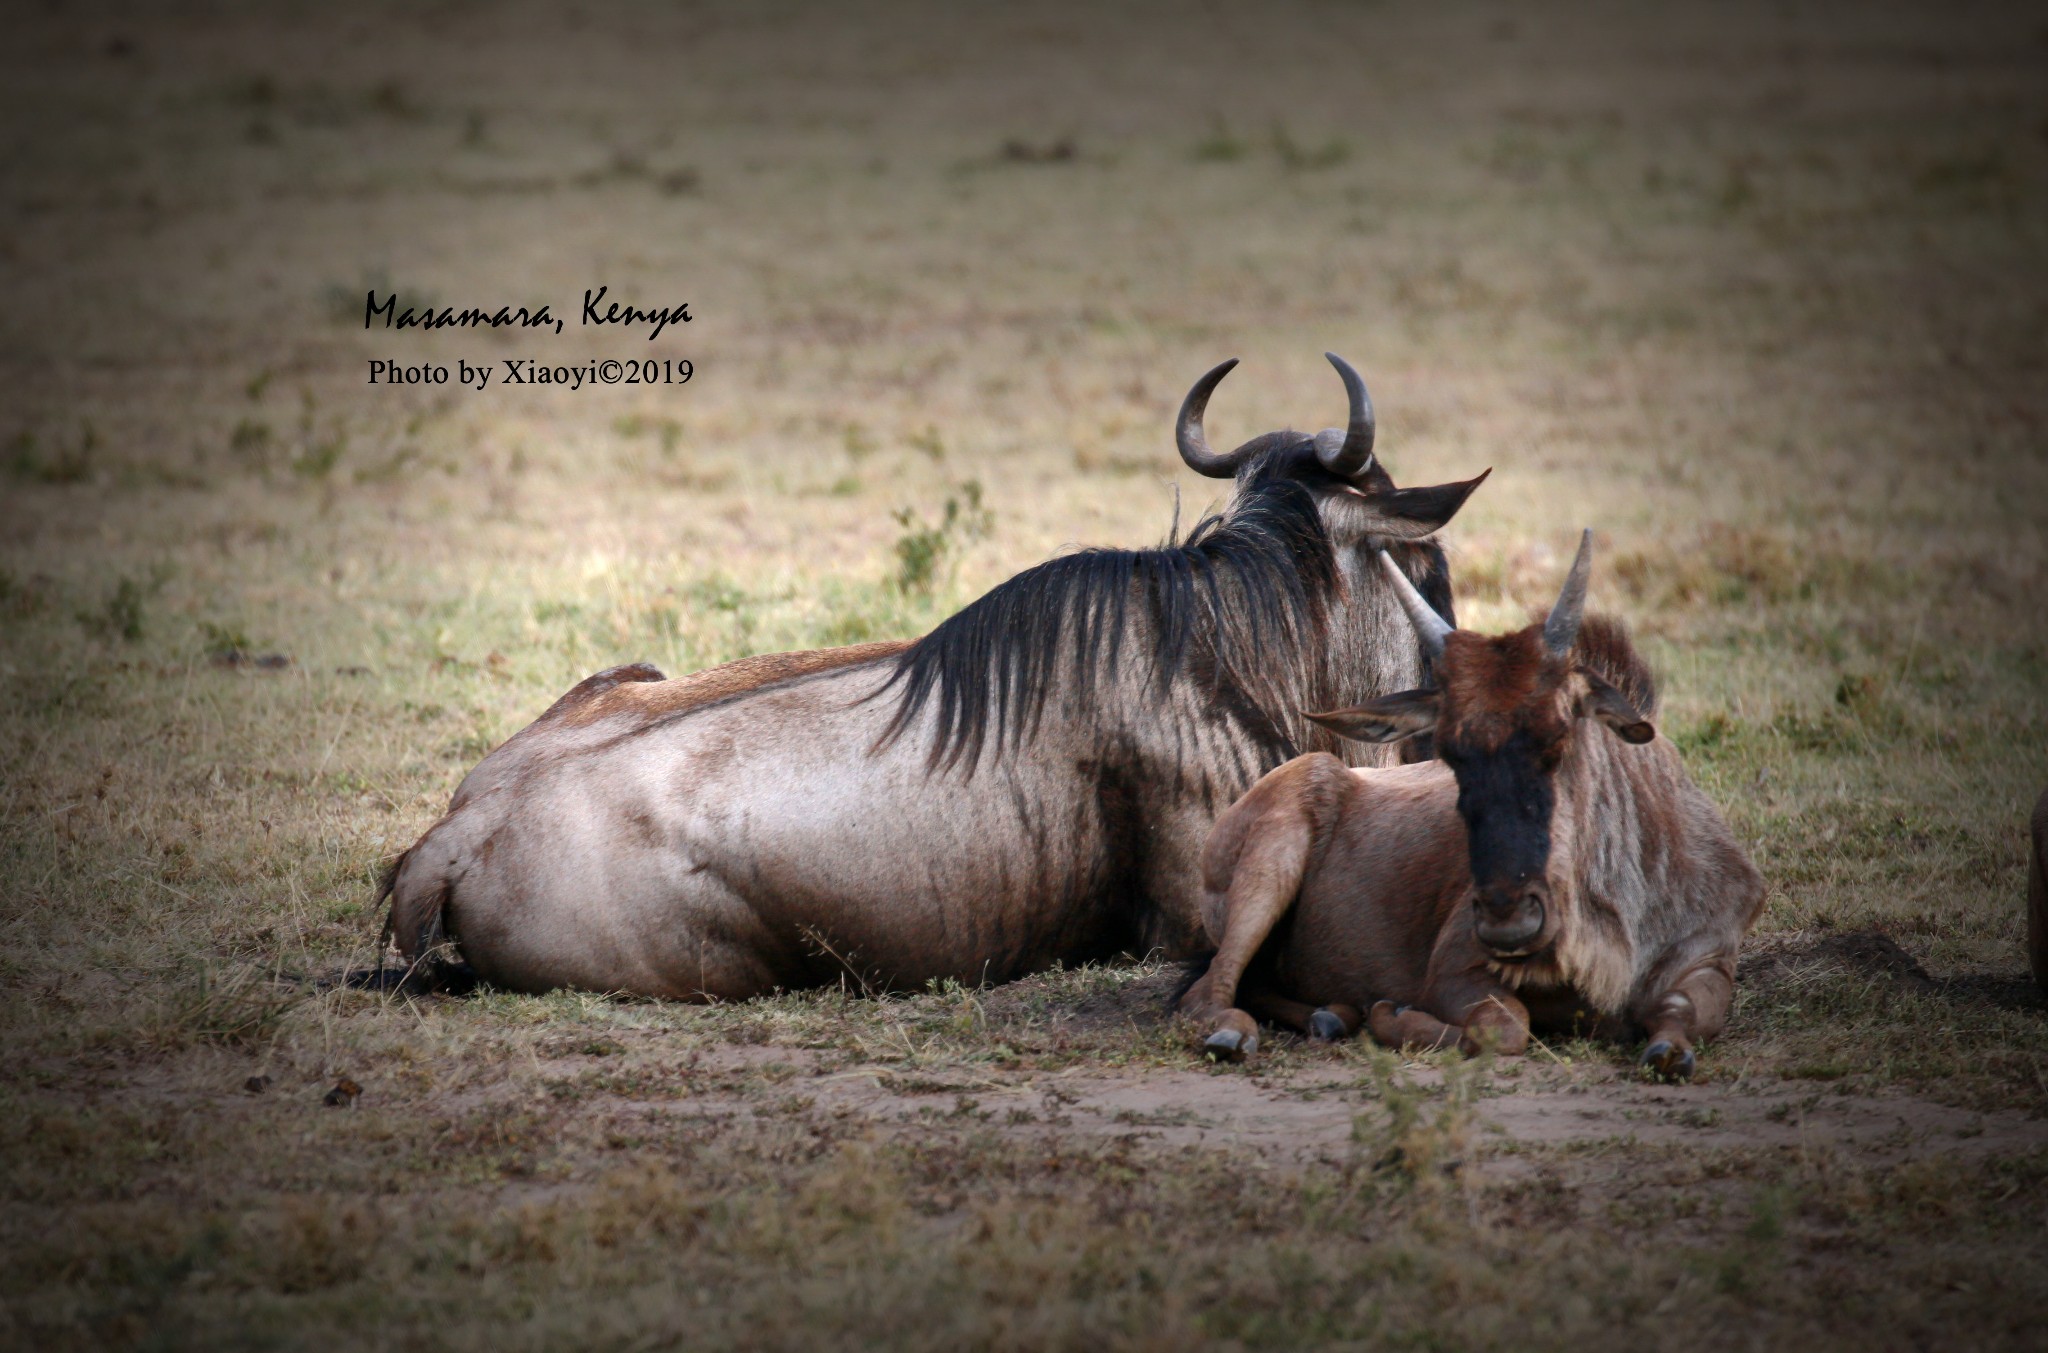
(1695, 1007)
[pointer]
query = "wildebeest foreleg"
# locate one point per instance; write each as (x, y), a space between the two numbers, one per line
(1261, 892)
(1694, 1007)
(1252, 869)
(1408, 1026)
(1497, 1021)
(1473, 1001)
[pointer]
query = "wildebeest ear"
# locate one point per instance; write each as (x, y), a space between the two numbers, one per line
(1387, 719)
(1412, 514)
(1606, 703)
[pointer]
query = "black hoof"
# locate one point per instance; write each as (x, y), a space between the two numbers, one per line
(1325, 1027)
(1667, 1062)
(1230, 1045)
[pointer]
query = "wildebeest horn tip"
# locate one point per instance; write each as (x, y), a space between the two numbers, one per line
(1430, 627)
(1353, 456)
(1187, 428)
(1561, 628)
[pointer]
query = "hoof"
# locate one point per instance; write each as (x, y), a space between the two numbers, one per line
(1666, 1062)
(1230, 1045)
(1325, 1027)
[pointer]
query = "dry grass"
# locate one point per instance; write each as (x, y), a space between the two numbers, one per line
(1758, 294)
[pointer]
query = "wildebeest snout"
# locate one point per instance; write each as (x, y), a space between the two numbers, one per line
(1509, 920)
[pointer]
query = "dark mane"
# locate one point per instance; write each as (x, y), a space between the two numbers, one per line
(1243, 591)
(1604, 646)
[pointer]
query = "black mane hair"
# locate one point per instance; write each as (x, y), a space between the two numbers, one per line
(1244, 591)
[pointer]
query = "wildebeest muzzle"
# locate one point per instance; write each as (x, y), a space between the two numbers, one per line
(1509, 921)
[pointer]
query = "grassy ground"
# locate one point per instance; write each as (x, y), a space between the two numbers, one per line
(1758, 293)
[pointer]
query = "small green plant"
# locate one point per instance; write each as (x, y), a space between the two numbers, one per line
(344, 302)
(1737, 190)
(1294, 155)
(1405, 1143)
(392, 99)
(20, 457)
(925, 547)
(1220, 146)
(224, 642)
(318, 460)
(120, 615)
(71, 464)
(718, 593)
(250, 442)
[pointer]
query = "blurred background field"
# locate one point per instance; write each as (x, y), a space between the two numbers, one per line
(1758, 291)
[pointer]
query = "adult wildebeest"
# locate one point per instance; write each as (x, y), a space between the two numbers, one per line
(1029, 782)
(2037, 895)
(1545, 869)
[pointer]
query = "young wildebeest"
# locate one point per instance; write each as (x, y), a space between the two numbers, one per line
(1556, 867)
(1032, 781)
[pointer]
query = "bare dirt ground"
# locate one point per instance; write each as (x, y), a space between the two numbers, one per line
(1309, 1118)
(1756, 291)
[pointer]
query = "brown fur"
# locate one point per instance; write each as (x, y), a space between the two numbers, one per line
(1491, 682)
(1605, 649)
(610, 693)
(1498, 683)
(1647, 893)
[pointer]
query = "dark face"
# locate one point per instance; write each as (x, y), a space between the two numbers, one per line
(1502, 731)
(1503, 716)
(1506, 796)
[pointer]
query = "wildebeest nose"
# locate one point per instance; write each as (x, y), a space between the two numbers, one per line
(1511, 927)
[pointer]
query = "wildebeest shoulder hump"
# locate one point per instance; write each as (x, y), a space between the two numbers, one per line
(642, 690)
(588, 689)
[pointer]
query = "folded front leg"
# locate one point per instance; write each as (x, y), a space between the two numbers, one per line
(1252, 868)
(1409, 1027)
(1487, 1028)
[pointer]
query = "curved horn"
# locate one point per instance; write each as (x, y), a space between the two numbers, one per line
(1561, 630)
(1429, 626)
(1353, 456)
(1187, 429)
